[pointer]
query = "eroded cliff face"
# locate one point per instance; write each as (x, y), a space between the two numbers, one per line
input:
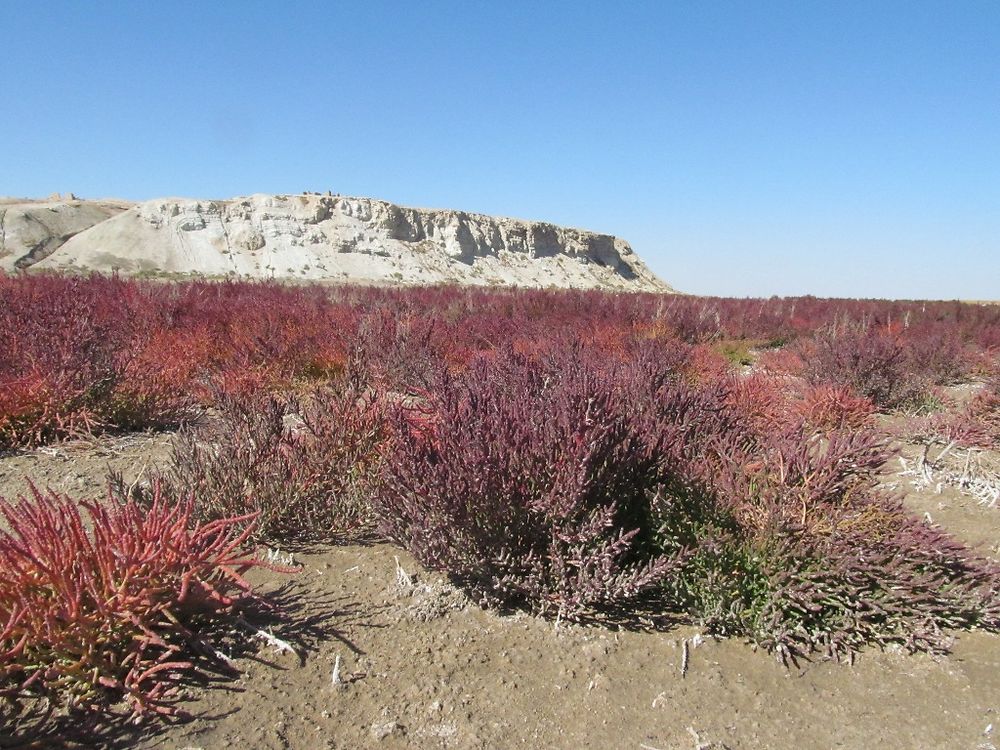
(32, 230)
(335, 238)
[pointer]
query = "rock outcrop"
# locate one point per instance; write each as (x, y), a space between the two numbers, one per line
(335, 238)
(31, 231)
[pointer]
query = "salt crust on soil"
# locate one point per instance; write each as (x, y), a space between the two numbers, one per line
(421, 667)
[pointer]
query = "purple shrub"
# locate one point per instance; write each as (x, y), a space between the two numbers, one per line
(985, 408)
(69, 361)
(831, 407)
(564, 450)
(807, 553)
(525, 487)
(869, 359)
(59, 358)
(937, 352)
(882, 578)
(402, 353)
(304, 467)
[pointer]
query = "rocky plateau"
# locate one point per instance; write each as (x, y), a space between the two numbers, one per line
(310, 237)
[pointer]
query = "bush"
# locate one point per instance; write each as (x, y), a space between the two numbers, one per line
(805, 552)
(868, 359)
(561, 450)
(831, 407)
(758, 399)
(576, 484)
(786, 360)
(737, 351)
(304, 467)
(707, 365)
(937, 353)
(985, 409)
(69, 363)
(88, 354)
(882, 578)
(527, 487)
(102, 605)
(976, 424)
(58, 357)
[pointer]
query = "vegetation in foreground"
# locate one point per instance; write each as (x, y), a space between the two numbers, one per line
(566, 452)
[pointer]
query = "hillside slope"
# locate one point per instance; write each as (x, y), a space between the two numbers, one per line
(335, 238)
(32, 230)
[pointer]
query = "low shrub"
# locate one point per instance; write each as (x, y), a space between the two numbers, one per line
(526, 488)
(566, 483)
(694, 321)
(737, 351)
(71, 361)
(761, 400)
(402, 353)
(807, 553)
(881, 578)
(103, 605)
(61, 366)
(560, 450)
(786, 360)
(867, 358)
(974, 425)
(938, 353)
(303, 466)
(831, 407)
(984, 411)
(707, 365)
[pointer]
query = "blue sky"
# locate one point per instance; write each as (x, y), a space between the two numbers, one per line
(743, 148)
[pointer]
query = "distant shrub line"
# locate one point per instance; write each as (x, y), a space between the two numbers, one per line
(81, 355)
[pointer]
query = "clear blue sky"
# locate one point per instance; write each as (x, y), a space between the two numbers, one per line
(743, 148)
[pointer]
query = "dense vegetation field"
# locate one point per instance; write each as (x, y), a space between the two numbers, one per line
(575, 454)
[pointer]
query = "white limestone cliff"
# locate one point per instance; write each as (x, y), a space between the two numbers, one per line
(334, 238)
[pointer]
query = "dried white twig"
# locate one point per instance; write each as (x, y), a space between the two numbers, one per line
(216, 654)
(335, 678)
(698, 744)
(403, 579)
(689, 643)
(130, 492)
(975, 479)
(945, 452)
(276, 556)
(279, 644)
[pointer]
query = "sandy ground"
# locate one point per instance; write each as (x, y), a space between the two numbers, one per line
(421, 667)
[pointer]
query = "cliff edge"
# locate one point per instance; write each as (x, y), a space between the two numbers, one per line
(312, 237)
